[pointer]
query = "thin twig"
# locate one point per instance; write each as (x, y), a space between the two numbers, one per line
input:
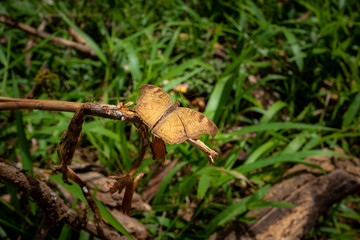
(7, 103)
(65, 150)
(94, 109)
(78, 46)
(31, 43)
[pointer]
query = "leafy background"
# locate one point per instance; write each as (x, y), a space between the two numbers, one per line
(279, 78)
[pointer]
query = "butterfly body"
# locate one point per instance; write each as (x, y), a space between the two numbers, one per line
(172, 108)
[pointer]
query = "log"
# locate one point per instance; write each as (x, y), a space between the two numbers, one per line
(311, 192)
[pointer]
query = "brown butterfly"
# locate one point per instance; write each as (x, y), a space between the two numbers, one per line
(167, 120)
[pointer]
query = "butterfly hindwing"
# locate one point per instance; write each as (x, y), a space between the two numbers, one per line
(170, 129)
(196, 123)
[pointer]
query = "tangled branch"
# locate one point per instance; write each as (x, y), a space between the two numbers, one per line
(52, 204)
(13, 23)
(66, 150)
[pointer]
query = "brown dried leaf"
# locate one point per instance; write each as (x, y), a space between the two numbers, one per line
(158, 148)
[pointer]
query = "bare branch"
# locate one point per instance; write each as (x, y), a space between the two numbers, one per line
(52, 204)
(52, 105)
(94, 109)
(78, 46)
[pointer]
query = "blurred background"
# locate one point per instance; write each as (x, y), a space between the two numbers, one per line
(280, 79)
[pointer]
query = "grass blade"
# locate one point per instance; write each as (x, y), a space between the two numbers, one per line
(171, 44)
(75, 190)
(261, 150)
(26, 161)
(275, 127)
(203, 186)
(133, 61)
(165, 182)
(295, 48)
(270, 113)
(218, 98)
(292, 157)
(111, 219)
(351, 112)
(235, 209)
(92, 44)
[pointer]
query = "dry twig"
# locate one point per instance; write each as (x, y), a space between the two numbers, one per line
(78, 46)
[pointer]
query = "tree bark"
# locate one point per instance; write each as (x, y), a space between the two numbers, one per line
(54, 207)
(312, 194)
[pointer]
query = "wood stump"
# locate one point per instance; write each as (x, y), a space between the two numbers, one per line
(311, 191)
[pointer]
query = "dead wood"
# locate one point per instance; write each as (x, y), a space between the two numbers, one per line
(156, 180)
(311, 192)
(95, 176)
(26, 28)
(93, 109)
(96, 179)
(68, 142)
(29, 44)
(56, 210)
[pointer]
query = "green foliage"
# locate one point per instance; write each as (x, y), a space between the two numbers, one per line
(302, 57)
(75, 190)
(342, 221)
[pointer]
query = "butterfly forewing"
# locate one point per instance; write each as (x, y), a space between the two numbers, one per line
(151, 104)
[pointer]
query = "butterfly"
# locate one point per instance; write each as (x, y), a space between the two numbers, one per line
(167, 120)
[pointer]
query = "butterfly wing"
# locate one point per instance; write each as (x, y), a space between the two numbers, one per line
(151, 104)
(176, 125)
(196, 123)
(171, 129)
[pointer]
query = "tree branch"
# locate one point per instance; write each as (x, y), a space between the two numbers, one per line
(52, 204)
(94, 109)
(78, 46)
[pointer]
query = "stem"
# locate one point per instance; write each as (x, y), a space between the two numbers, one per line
(52, 105)
(78, 46)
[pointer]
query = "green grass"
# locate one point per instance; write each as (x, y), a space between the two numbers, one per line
(304, 56)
